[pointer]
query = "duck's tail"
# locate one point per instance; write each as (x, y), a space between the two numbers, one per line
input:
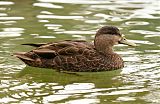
(34, 44)
(22, 56)
(28, 59)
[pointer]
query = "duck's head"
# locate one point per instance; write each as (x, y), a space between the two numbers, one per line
(108, 36)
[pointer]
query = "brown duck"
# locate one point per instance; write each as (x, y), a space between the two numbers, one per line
(78, 55)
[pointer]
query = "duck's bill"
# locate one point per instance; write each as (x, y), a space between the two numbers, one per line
(126, 42)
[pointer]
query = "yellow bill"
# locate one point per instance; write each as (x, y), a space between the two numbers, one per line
(126, 42)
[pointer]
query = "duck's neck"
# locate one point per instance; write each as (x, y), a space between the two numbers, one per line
(103, 45)
(108, 50)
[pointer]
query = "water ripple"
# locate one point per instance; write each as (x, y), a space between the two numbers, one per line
(49, 37)
(11, 18)
(7, 22)
(53, 98)
(132, 23)
(145, 32)
(137, 82)
(11, 32)
(126, 98)
(47, 5)
(76, 2)
(84, 101)
(53, 26)
(76, 32)
(122, 92)
(6, 3)
(3, 14)
(59, 17)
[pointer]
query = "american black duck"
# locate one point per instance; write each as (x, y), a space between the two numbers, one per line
(78, 55)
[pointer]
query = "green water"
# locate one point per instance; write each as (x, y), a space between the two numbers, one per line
(27, 21)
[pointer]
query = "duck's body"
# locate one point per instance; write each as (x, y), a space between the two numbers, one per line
(77, 56)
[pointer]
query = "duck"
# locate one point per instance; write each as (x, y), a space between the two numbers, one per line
(78, 55)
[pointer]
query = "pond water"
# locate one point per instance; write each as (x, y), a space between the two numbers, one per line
(27, 21)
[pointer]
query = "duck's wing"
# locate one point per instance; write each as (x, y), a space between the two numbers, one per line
(67, 47)
(59, 54)
(61, 43)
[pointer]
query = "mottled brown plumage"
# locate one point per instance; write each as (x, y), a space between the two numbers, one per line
(78, 55)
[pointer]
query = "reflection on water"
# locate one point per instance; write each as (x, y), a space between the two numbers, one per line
(6, 3)
(11, 32)
(51, 20)
(47, 5)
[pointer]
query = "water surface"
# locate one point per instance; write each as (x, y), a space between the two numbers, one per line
(26, 21)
